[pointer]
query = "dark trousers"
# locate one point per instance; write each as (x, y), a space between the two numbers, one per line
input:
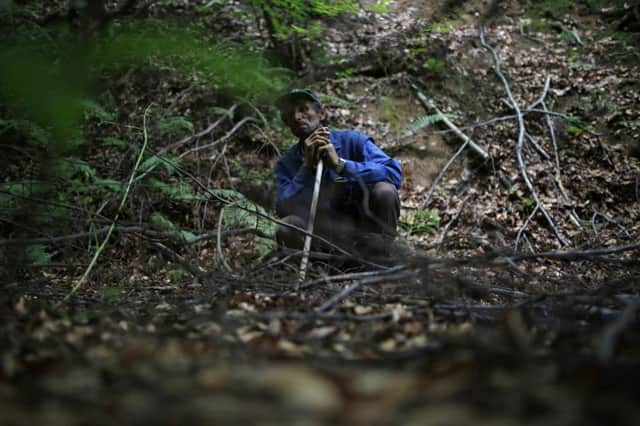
(378, 216)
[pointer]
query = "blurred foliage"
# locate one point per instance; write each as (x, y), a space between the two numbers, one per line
(47, 97)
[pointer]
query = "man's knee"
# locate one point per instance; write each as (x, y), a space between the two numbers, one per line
(385, 196)
(289, 236)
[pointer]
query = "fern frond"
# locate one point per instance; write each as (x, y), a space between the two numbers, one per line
(425, 121)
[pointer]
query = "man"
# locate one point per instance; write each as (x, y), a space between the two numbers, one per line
(359, 187)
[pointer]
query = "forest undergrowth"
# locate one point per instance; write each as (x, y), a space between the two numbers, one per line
(142, 283)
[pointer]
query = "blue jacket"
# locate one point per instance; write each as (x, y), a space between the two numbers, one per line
(364, 161)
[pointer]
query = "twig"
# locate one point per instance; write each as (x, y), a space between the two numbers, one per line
(521, 132)
(185, 141)
(615, 330)
(453, 219)
(135, 229)
(219, 257)
(436, 181)
(355, 285)
(355, 275)
(84, 277)
(223, 138)
(576, 254)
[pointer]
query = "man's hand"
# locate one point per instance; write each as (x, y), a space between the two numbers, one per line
(318, 146)
(312, 144)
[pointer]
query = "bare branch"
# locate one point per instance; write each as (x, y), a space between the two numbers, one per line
(521, 132)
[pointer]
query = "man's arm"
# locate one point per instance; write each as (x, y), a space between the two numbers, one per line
(376, 165)
(295, 185)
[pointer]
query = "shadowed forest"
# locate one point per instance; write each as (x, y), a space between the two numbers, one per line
(140, 279)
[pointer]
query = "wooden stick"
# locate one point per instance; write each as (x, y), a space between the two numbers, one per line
(312, 217)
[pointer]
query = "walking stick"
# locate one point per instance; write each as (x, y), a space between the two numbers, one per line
(312, 217)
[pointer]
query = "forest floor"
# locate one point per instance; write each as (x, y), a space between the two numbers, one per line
(491, 315)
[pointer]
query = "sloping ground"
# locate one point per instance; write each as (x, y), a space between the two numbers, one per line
(452, 334)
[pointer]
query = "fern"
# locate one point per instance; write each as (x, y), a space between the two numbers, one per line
(115, 142)
(164, 222)
(224, 111)
(174, 125)
(93, 109)
(170, 165)
(37, 255)
(176, 191)
(240, 215)
(425, 121)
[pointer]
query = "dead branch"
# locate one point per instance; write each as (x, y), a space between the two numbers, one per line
(613, 332)
(224, 138)
(347, 290)
(176, 237)
(452, 221)
(352, 276)
(436, 181)
(521, 132)
(576, 254)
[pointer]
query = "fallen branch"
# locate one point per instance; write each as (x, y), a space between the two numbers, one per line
(576, 254)
(520, 141)
(453, 219)
(357, 284)
(175, 236)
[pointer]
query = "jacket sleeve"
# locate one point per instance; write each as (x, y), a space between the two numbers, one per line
(295, 186)
(376, 165)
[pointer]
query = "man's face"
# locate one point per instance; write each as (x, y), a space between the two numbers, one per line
(303, 117)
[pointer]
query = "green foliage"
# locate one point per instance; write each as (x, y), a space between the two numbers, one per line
(176, 191)
(172, 126)
(427, 120)
(435, 67)
(161, 221)
(443, 27)
(417, 222)
(178, 274)
(169, 164)
(243, 214)
(46, 77)
(37, 255)
(112, 294)
(94, 110)
(115, 142)
(222, 111)
(297, 17)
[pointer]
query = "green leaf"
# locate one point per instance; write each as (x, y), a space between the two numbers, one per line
(223, 111)
(38, 255)
(174, 125)
(115, 142)
(420, 222)
(167, 163)
(177, 191)
(425, 121)
(112, 294)
(95, 110)
(109, 185)
(178, 274)
(162, 221)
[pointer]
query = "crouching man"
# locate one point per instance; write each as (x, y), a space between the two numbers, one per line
(359, 188)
